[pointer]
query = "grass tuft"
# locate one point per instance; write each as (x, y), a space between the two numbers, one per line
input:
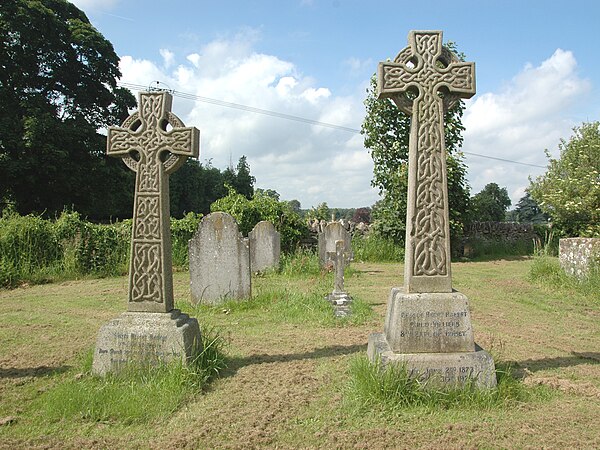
(391, 389)
(137, 394)
(546, 271)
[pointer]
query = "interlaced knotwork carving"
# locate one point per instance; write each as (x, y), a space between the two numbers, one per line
(424, 80)
(143, 141)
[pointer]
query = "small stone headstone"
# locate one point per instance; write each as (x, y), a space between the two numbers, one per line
(333, 232)
(265, 247)
(339, 297)
(428, 324)
(151, 332)
(219, 261)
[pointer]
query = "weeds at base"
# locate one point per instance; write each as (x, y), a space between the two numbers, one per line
(391, 390)
(134, 396)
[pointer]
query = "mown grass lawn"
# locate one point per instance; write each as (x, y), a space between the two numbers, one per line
(286, 384)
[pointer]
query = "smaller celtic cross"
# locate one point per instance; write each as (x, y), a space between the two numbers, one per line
(424, 80)
(153, 152)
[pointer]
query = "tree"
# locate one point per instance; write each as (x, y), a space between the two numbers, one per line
(569, 191)
(248, 213)
(386, 132)
(320, 212)
(362, 215)
(57, 88)
(490, 204)
(528, 211)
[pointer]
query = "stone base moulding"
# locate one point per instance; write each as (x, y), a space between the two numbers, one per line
(145, 339)
(452, 370)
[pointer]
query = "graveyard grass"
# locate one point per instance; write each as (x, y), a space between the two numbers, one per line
(295, 376)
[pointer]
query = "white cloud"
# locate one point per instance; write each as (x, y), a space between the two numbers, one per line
(168, 57)
(310, 163)
(87, 5)
(527, 116)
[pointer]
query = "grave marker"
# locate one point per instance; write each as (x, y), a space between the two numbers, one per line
(339, 297)
(428, 324)
(219, 261)
(151, 331)
(333, 232)
(265, 246)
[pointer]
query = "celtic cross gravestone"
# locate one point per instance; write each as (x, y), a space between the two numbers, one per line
(428, 324)
(154, 143)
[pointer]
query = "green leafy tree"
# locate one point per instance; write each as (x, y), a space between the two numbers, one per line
(528, 211)
(248, 213)
(320, 212)
(386, 132)
(569, 191)
(57, 88)
(490, 204)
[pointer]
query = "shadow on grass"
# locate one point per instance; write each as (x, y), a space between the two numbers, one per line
(40, 371)
(236, 363)
(520, 368)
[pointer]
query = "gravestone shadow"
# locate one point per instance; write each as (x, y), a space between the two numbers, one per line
(522, 368)
(39, 371)
(236, 363)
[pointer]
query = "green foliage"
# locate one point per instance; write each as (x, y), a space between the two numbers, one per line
(27, 245)
(138, 394)
(33, 249)
(194, 187)
(376, 248)
(391, 389)
(248, 213)
(490, 204)
(546, 271)
(182, 230)
(57, 88)
(528, 211)
(386, 130)
(301, 262)
(319, 212)
(569, 191)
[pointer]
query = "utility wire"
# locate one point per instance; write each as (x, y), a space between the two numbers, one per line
(212, 101)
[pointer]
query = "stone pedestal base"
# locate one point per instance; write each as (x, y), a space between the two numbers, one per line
(145, 339)
(439, 369)
(341, 303)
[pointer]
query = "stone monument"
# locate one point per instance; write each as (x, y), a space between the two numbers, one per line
(333, 232)
(151, 331)
(339, 297)
(219, 261)
(428, 324)
(265, 246)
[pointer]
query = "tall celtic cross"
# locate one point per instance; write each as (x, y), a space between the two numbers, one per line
(154, 143)
(425, 80)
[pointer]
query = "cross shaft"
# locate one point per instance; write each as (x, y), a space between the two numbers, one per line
(414, 81)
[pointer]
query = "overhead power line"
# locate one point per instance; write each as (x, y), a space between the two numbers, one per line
(267, 112)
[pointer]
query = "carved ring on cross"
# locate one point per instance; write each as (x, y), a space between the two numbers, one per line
(404, 101)
(171, 162)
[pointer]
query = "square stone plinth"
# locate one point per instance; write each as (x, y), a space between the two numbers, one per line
(145, 339)
(428, 323)
(449, 370)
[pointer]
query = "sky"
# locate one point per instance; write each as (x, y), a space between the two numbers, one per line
(537, 75)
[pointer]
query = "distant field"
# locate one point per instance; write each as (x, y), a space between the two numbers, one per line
(287, 373)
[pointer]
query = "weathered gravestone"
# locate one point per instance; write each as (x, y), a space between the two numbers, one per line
(219, 261)
(151, 331)
(428, 324)
(339, 297)
(334, 231)
(265, 246)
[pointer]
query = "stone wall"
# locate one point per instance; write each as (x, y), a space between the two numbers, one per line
(577, 254)
(505, 231)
